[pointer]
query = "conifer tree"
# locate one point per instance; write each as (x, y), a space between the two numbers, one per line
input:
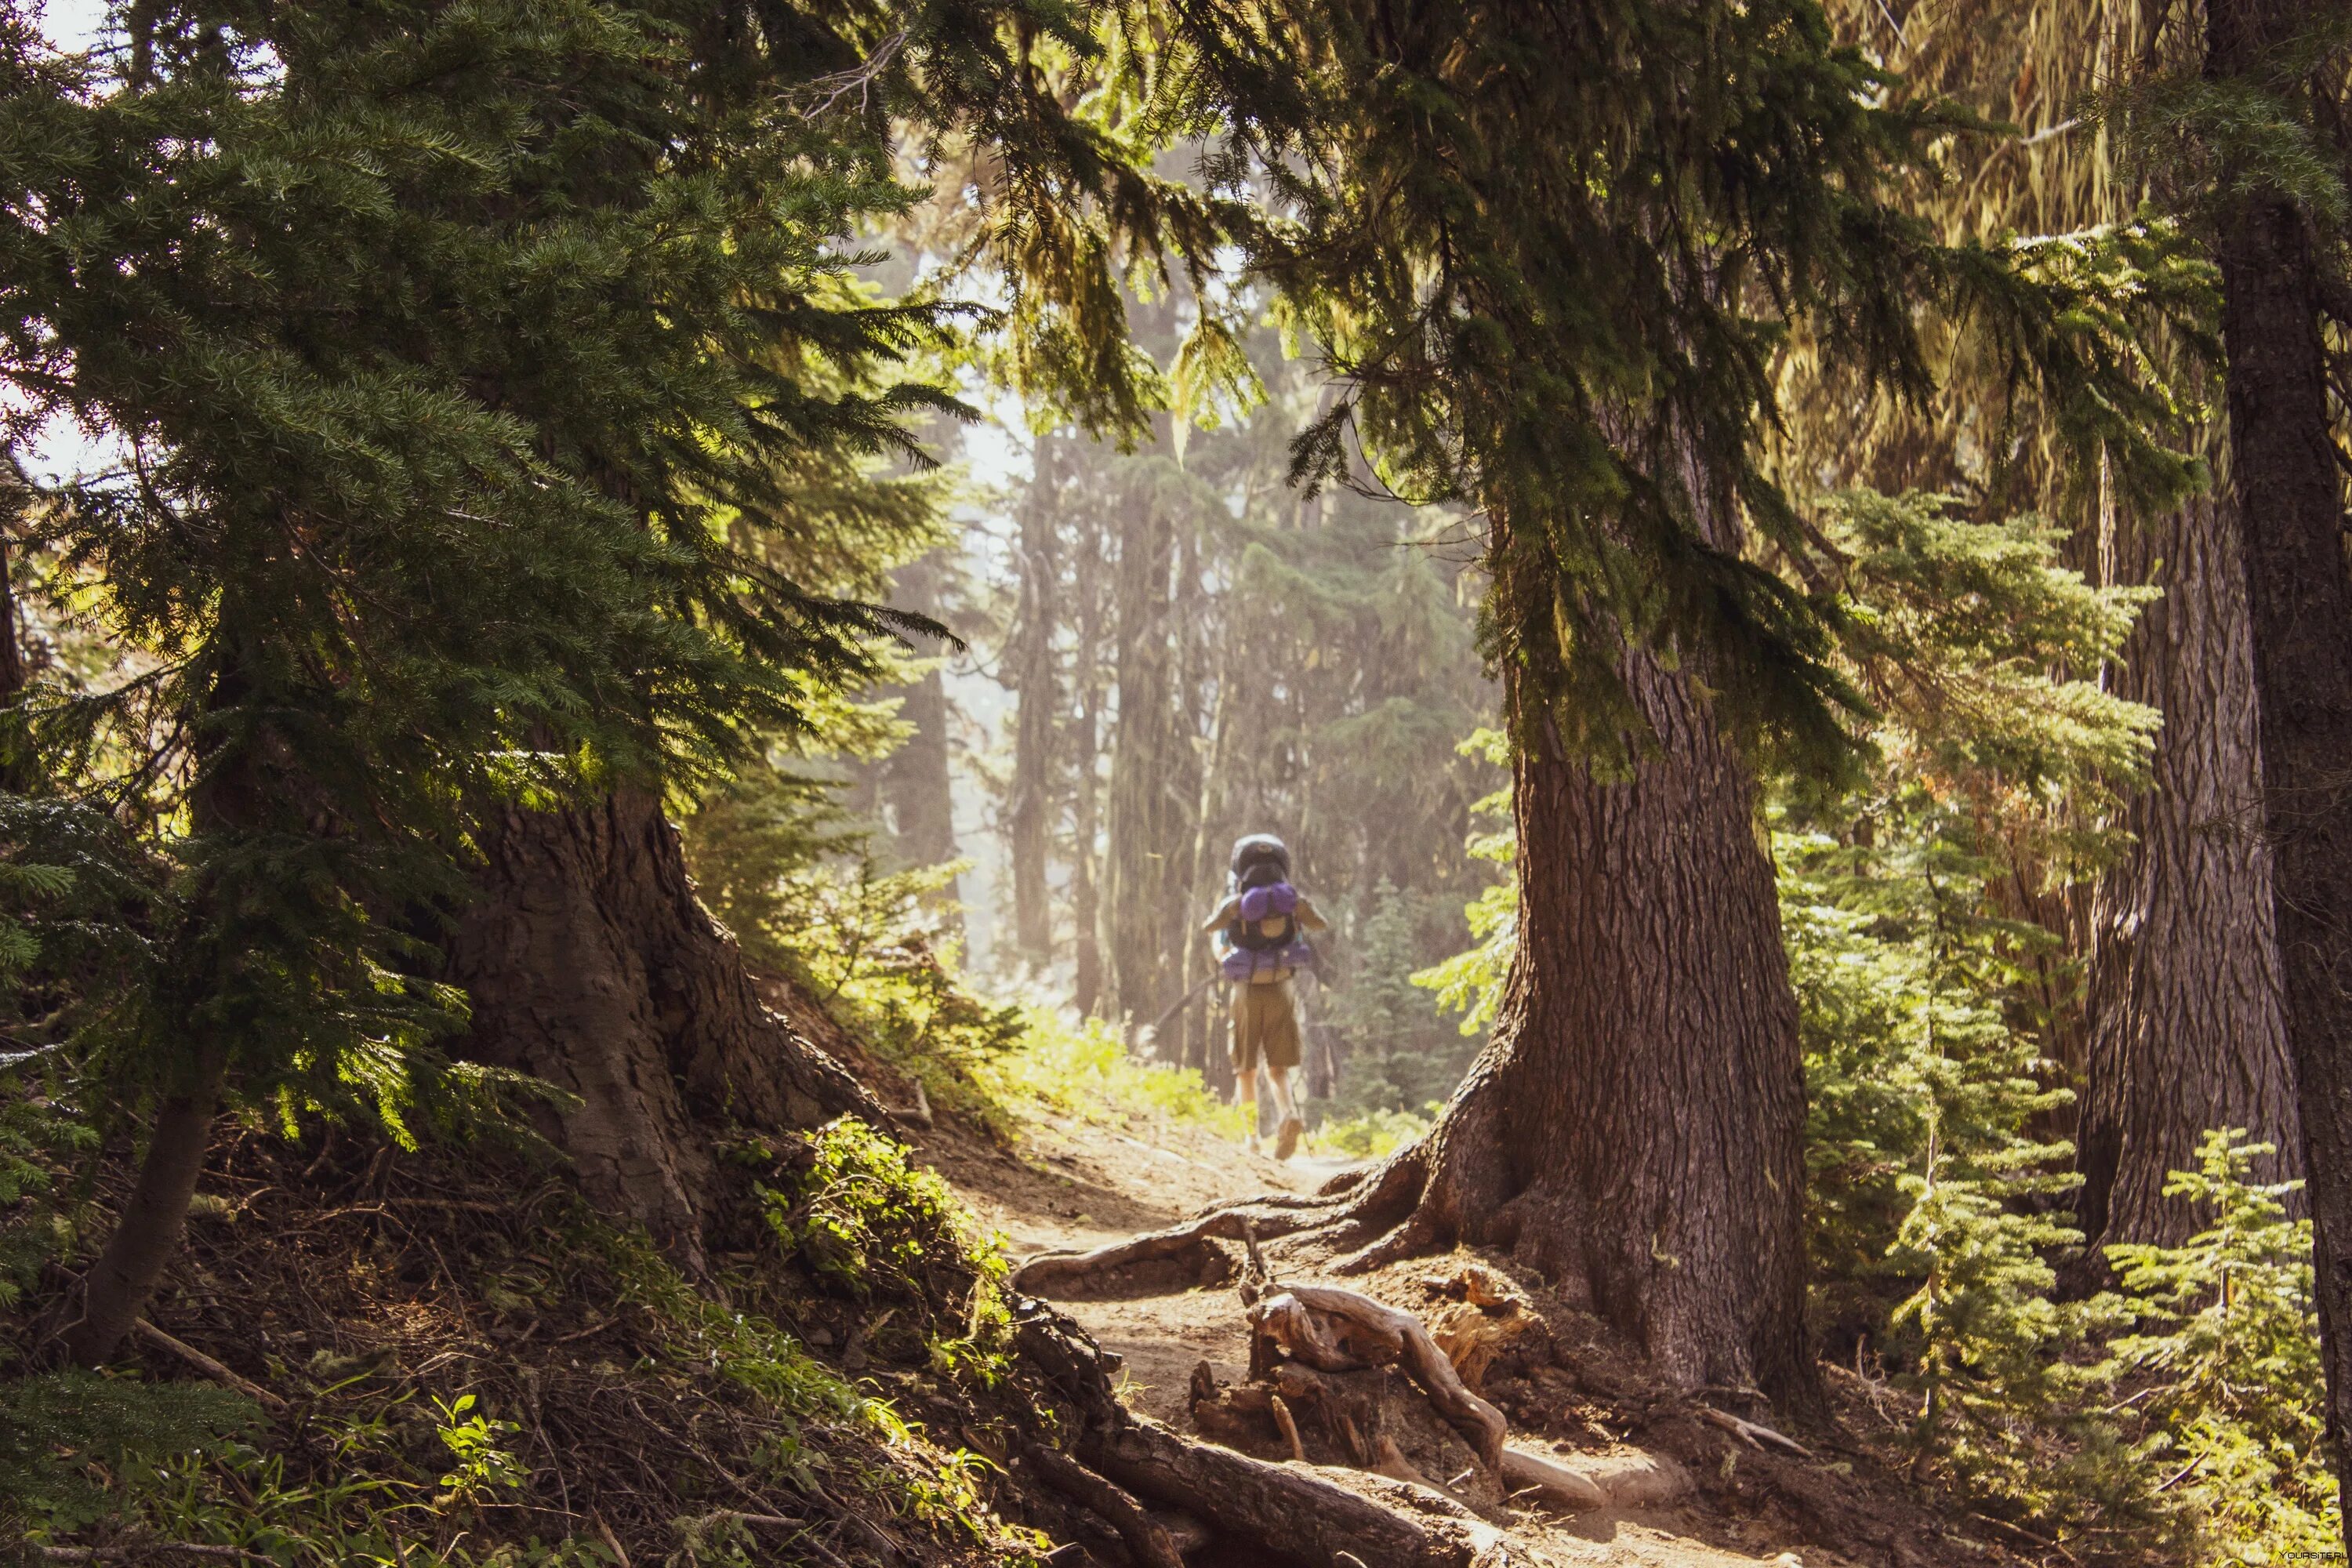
(2175, 1025)
(452, 352)
(1550, 250)
(2265, 124)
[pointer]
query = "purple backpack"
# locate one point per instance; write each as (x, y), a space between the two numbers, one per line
(1263, 937)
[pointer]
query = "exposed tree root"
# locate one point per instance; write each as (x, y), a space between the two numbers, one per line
(1303, 1319)
(1146, 1536)
(1313, 1514)
(1369, 1203)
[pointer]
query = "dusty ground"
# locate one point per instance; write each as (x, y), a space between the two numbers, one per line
(1078, 1183)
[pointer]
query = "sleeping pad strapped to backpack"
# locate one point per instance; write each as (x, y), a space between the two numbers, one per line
(1263, 941)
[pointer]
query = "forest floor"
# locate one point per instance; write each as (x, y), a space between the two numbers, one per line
(1071, 1182)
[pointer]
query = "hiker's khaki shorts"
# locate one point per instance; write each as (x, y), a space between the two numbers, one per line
(1265, 1026)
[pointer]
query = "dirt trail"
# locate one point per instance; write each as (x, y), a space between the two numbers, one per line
(1077, 1185)
(1080, 1185)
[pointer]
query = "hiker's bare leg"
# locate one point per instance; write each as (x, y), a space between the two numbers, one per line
(1245, 1093)
(1279, 1078)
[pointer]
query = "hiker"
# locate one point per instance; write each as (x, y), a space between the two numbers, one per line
(1261, 940)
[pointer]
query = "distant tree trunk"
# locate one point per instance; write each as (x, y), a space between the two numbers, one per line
(1149, 772)
(2185, 1029)
(591, 965)
(916, 786)
(2291, 529)
(1029, 670)
(19, 767)
(1201, 1030)
(1086, 899)
(1635, 1126)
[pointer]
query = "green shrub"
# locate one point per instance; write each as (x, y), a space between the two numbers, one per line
(69, 1440)
(871, 1225)
(2225, 1367)
(1371, 1133)
(1057, 1067)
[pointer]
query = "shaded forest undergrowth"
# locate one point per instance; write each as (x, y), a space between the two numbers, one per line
(439, 1355)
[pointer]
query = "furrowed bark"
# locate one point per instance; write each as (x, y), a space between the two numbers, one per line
(1635, 1127)
(592, 965)
(2186, 1032)
(2291, 533)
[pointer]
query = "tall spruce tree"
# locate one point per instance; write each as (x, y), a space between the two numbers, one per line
(2175, 1025)
(2266, 118)
(452, 351)
(1551, 249)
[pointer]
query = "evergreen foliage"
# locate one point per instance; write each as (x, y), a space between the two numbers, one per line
(2224, 1363)
(68, 1440)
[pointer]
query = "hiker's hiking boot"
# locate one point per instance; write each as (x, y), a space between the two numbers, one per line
(1286, 1143)
(1251, 1144)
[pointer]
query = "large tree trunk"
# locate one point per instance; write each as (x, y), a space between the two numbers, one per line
(1635, 1128)
(592, 965)
(1029, 670)
(2185, 1029)
(2291, 529)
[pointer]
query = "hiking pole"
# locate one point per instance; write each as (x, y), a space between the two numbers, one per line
(1182, 1002)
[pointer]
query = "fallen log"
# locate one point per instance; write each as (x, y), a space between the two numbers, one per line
(1317, 1514)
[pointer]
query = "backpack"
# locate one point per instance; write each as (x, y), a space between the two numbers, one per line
(1262, 939)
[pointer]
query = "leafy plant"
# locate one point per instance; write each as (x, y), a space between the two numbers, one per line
(480, 1463)
(869, 1223)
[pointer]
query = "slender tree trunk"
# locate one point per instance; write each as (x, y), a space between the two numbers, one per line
(1635, 1126)
(19, 767)
(146, 1238)
(1201, 1027)
(916, 786)
(233, 794)
(2291, 529)
(1150, 767)
(1086, 899)
(1031, 673)
(2185, 1029)
(592, 965)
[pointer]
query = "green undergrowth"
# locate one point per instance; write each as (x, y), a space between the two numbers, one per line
(874, 1228)
(477, 1370)
(1369, 1134)
(1059, 1067)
